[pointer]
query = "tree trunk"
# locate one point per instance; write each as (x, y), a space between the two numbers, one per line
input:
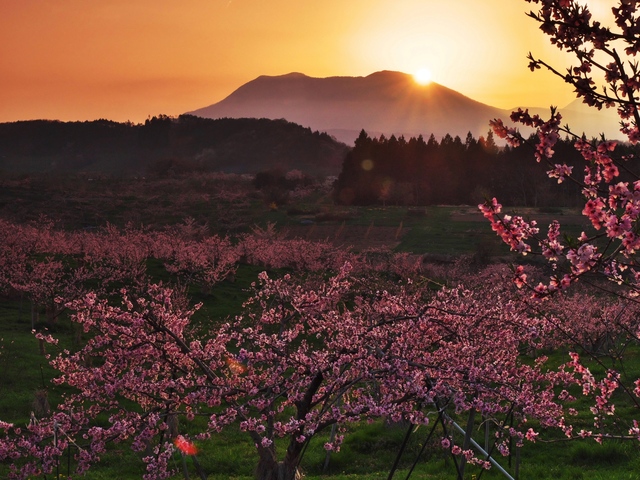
(280, 471)
(268, 466)
(270, 469)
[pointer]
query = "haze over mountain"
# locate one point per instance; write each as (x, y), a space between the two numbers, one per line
(384, 102)
(584, 119)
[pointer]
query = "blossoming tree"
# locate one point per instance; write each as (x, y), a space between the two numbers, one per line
(609, 181)
(303, 356)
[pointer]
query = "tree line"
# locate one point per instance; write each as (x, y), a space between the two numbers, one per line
(416, 171)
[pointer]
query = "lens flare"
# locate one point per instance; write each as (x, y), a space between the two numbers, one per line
(367, 165)
(235, 366)
(185, 446)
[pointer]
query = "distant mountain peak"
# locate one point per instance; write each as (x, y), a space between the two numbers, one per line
(295, 75)
(388, 74)
(291, 75)
(386, 101)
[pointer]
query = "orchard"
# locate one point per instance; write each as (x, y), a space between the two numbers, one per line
(328, 339)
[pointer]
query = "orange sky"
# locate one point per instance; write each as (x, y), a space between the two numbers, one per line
(128, 59)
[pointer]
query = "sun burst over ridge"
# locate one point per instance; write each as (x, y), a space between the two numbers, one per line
(422, 76)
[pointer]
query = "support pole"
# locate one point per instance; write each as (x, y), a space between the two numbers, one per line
(400, 452)
(482, 451)
(486, 434)
(334, 427)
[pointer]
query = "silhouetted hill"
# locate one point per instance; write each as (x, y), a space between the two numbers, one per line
(383, 102)
(166, 145)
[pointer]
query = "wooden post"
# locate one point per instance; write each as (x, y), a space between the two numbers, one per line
(467, 440)
(20, 311)
(366, 235)
(486, 435)
(311, 231)
(399, 231)
(400, 452)
(332, 437)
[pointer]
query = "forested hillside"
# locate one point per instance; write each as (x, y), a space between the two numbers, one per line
(165, 145)
(452, 171)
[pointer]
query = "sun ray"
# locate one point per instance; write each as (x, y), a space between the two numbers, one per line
(422, 76)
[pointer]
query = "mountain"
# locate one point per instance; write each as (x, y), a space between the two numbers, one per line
(584, 119)
(383, 102)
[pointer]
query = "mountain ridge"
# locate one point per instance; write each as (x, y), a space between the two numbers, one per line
(385, 102)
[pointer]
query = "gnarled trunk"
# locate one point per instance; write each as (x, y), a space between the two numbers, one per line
(269, 468)
(280, 471)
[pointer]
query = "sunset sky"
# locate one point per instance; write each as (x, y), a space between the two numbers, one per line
(128, 59)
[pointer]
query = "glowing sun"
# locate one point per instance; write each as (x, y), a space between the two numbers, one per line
(422, 76)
